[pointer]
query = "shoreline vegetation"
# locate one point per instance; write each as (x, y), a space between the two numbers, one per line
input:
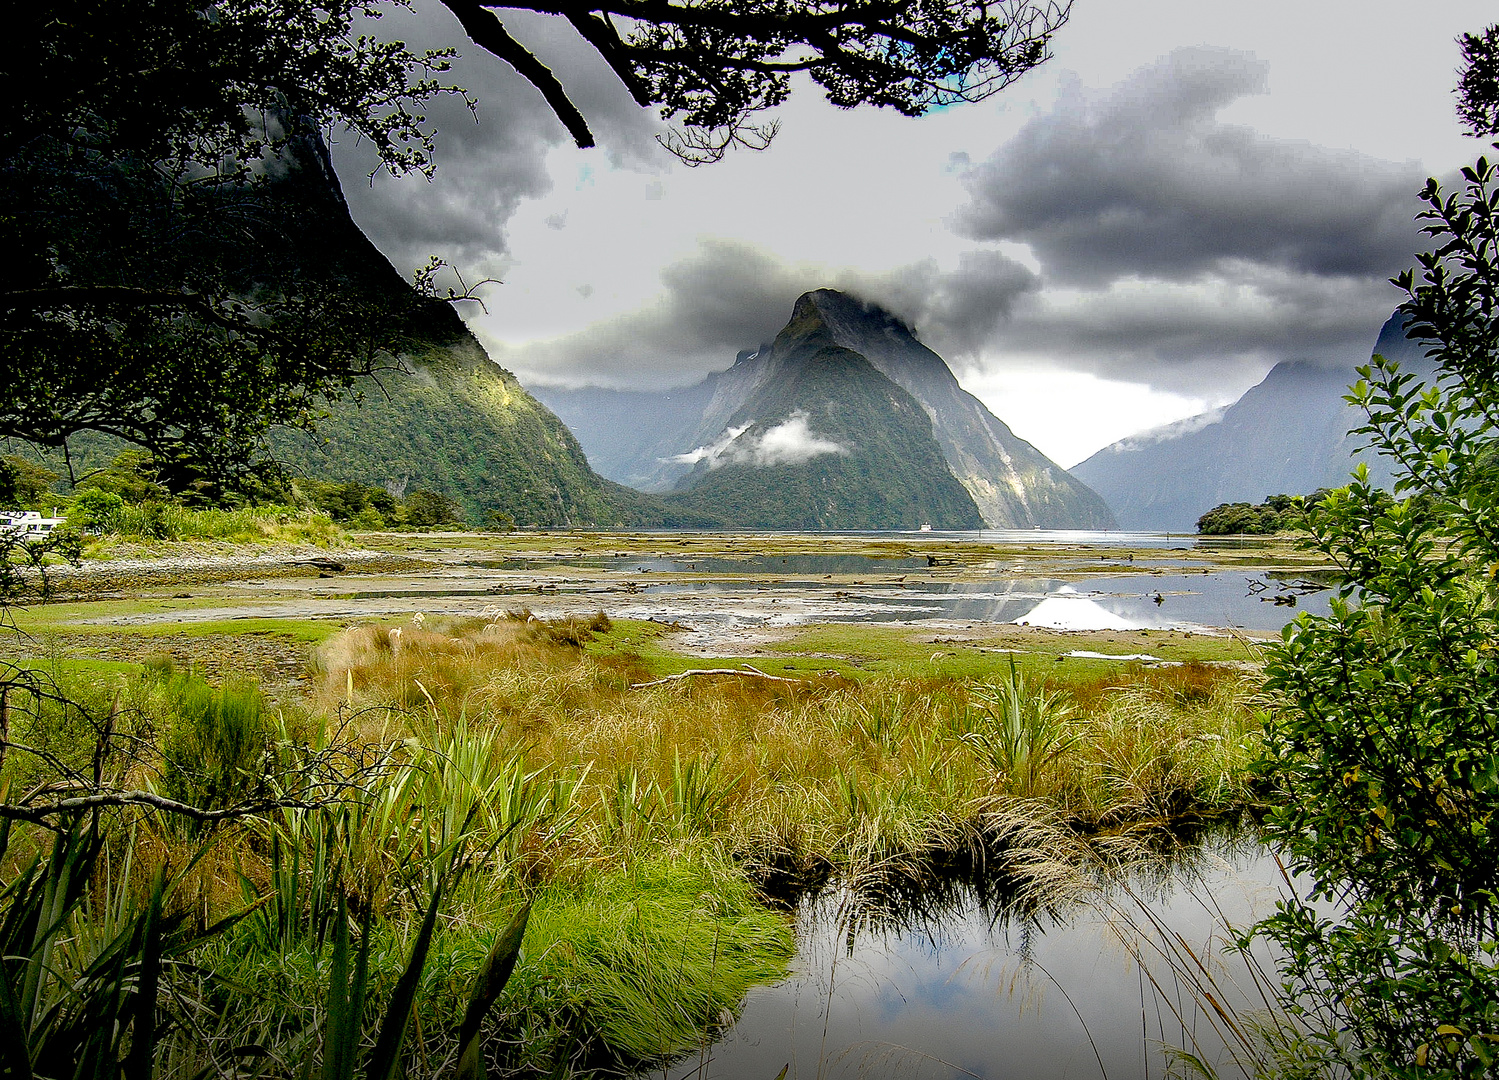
(653, 818)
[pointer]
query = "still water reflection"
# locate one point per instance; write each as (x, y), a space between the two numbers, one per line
(1169, 593)
(968, 988)
(1220, 599)
(1065, 581)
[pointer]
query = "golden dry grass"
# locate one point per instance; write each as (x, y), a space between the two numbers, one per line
(818, 771)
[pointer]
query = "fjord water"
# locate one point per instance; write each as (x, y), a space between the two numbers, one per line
(1169, 592)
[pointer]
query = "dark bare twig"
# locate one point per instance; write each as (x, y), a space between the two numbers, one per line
(44, 813)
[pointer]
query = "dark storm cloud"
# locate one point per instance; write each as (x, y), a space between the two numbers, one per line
(728, 296)
(957, 313)
(491, 159)
(725, 297)
(1196, 338)
(1147, 181)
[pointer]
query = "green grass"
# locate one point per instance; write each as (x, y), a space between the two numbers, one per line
(859, 651)
(652, 956)
(156, 524)
(913, 653)
(633, 964)
(90, 618)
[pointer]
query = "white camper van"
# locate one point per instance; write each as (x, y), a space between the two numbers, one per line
(27, 524)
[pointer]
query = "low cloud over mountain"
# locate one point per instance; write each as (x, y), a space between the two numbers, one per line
(790, 442)
(727, 296)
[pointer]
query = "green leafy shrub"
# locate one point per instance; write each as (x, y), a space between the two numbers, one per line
(1384, 740)
(1278, 513)
(427, 509)
(93, 508)
(212, 741)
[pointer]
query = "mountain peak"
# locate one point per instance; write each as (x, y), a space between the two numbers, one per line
(1012, 482)
(847, 316)
(840, 356)
(1288, 433)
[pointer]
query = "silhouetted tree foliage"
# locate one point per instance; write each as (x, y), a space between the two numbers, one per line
(714, 63)
(371, 506)
(1478, 86)
(152, 290)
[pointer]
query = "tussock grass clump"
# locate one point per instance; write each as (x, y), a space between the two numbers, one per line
(657, 957)
(214, 741)
(442, 664)
(817, 772)
(1159, 751)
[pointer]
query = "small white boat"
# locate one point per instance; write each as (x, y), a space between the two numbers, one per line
(923, 528)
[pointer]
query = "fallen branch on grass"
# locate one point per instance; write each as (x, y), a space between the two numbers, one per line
(40, 814)
(744, 669)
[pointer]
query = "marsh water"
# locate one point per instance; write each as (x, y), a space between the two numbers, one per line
(1059, 580)
(958, 983)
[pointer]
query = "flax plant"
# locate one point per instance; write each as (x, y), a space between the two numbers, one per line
(1021, 733)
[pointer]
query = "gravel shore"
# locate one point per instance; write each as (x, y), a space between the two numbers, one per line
(104, 577)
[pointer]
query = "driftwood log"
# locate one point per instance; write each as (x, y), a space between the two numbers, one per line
(746, 670)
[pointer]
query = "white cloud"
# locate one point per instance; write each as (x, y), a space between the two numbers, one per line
(790, 442)
(712, 453)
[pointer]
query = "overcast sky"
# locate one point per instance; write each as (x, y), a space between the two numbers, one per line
(1187, 193)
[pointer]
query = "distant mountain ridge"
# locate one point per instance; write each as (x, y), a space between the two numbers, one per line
(1288, 434)
(649, 440)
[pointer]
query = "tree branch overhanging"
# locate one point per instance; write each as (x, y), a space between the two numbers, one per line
(716, 62)
(486, 30)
